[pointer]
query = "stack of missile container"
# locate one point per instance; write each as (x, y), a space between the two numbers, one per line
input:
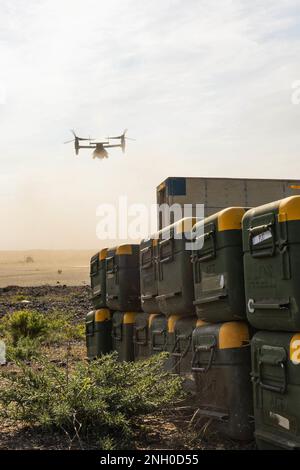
(115, 286)
(271, 240)
(221, 340)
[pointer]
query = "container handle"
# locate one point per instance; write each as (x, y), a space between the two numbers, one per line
(167, 259)
(182, 354)
(209, 253)
(147, 264)
(115, 328)
(168, 296)
(280, 305)
(87, 324)
(210, 299)
(272, 388)
(199, 348)
(161, 332)
(112, 269)
(147, 297)
(138, 329)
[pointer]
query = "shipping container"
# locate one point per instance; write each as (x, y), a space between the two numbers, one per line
(122, 335)
(276, 389)
(218, 267)
(98, 327)
(149, 275)
(141, 336)
(221, 365)
(180, 331)
(218, 193)
(98, 279)
(271, 240)
(175, 270)
(123, 278)
(158, 329)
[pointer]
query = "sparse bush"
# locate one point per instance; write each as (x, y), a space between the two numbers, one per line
(24, 350)
(25, 331)
(98, 400)
(26, 324)
(61, 329)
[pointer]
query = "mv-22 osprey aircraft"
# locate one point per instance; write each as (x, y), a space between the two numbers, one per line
(99, 147)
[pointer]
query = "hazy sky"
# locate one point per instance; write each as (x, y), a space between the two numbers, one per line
(204, 86)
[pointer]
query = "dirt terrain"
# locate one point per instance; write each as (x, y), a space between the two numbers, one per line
(75, 300)
(39, 267)
(173, 429)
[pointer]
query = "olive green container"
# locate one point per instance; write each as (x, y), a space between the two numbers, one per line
(276, 389)
(158, 333)
(175, 269)
(170, 343)
(218, 267)
(221, 366)
(98, 279)
(149, 275)
(98, 327)
(141, 336)
(271, 242)
(163, 339)
(180, 330)
(123, 278)
(122, 335)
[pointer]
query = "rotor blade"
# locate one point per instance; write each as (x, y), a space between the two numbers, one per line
(69, 141)
(80, 138)
(122, 137)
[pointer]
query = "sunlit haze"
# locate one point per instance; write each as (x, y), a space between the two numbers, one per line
(205, 88)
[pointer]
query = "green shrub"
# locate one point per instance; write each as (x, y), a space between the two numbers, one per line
(98, 400)
(24, 350)
(26, 324)
(26, 330)
(61, 329)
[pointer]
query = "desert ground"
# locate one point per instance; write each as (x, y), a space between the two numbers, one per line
(40, 267)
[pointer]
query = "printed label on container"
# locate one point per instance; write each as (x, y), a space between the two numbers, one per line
(261, 237)
(280, 420)
(213, 282)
